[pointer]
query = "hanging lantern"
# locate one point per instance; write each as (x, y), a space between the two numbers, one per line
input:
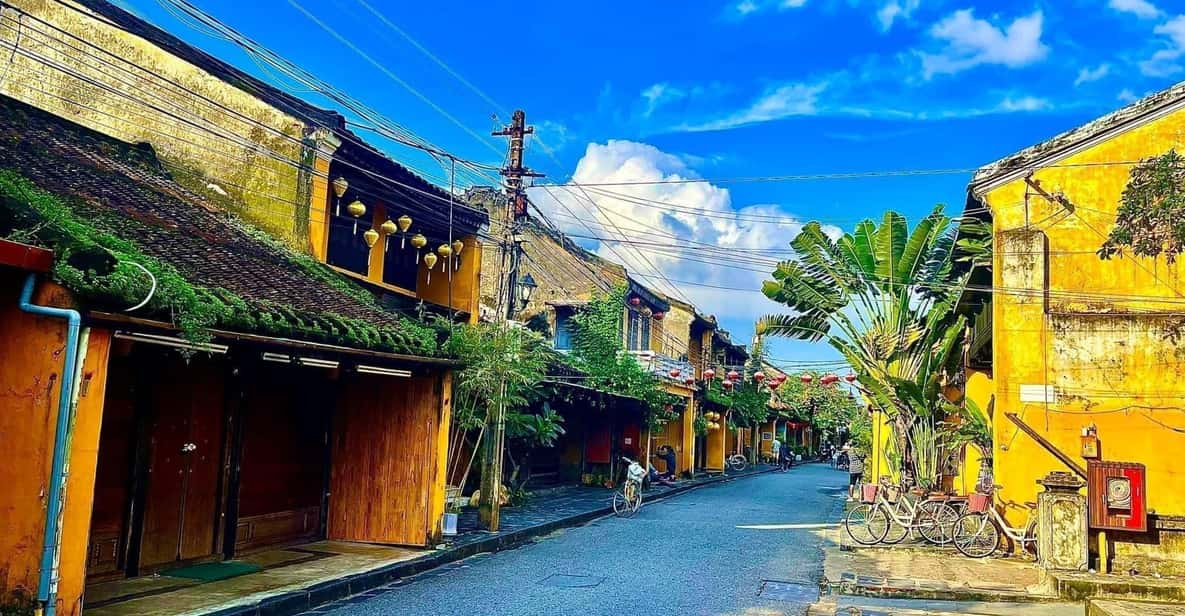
(774, 384)
(829, 379)
(658, 316)
(388, 228)
(850, 377)
(806, 379)
(370, 237)
(709, 374)
(635, 301)
(404, 223)
(339, 189)
(727, 384)
(759, 377)
(675, 372)
(430, 261)
(418, 241)
(733, 375)
(356, 209)
(689, 381)
(444, 250)
(670, 408)
(458, 246)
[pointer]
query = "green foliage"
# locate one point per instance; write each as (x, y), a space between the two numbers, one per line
(598, 351)
(924, 444)
(700, 424)
(828, 408)
(18, 603)
(970, 426)
(747, 403)
(1151, 217)
(503, 365)
(535, 429)
(97, 266)
(860, 430)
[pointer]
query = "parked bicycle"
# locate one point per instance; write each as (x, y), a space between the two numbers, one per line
(889, 514)
(977, 532)
(737, 462)
(627, 500)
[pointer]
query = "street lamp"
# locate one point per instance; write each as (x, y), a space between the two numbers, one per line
(526, 287)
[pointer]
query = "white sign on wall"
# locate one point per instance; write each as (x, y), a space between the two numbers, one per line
(1037, 393)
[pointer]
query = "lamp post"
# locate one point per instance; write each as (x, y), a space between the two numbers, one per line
(526, 288)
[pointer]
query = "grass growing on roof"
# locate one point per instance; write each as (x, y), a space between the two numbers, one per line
(96, 265)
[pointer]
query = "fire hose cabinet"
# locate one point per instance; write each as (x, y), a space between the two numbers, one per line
(1117, 496)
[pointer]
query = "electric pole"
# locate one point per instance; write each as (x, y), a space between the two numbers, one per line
(489, 507)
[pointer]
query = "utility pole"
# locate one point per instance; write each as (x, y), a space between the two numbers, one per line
(489, 507)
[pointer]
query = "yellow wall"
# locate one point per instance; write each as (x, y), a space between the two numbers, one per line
(464, 281)
(196, 139)
(1120, 371)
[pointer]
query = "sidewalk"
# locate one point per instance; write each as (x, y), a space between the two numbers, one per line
(341, 569)
(933, 573)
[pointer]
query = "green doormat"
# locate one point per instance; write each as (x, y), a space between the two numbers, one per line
(212, 572)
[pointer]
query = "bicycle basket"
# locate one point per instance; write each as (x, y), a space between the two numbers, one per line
(636, 473)
(868, 493)
(893, 494)
(978, 503)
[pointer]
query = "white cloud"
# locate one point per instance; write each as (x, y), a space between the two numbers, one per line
(1024, 103)
(1087, 75)
(1166, 62)
(894, 9)
(783, 101)
(1127, 96)
(1140, 8)
(658, 95)
(700, 214)
(745, 8)
(972, 42)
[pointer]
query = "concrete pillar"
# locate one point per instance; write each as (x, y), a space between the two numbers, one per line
(1062, 539)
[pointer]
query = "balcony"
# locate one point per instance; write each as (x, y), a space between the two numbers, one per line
(661, 365)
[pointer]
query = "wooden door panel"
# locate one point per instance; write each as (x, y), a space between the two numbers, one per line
(207, 403)
(168, 432)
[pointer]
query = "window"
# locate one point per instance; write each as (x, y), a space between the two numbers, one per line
(637, 334)
(347, 250)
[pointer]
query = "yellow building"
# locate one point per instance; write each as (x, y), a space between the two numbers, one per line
(1067, 341)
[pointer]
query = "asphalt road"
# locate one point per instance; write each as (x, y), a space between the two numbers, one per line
(691, 554)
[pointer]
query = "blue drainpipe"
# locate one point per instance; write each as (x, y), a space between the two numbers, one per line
(47, 585)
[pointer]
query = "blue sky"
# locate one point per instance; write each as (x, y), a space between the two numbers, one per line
(655, 90)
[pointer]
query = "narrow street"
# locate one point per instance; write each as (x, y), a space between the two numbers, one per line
(687, 555)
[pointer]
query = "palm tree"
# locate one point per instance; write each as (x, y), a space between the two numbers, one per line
(885, 298)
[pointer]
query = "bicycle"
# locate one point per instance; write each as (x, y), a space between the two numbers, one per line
(895, 514)
(628, 499)
(737, 462)
(977, 532)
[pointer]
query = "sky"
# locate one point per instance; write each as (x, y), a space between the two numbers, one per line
(623, 92)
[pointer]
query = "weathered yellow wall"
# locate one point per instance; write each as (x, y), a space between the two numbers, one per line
(464, 281)
(196, 139)
(1118, 370)
(676, 331)
(979, 388)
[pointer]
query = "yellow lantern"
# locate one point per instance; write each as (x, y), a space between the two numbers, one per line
(370, 237)
(404, 223)
(444, 250)
(418, 241)
(430, 260)
(388, 228)
(356, 209)
(458, 246)
(339, 189)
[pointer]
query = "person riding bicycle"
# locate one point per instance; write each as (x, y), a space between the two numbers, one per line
(785, 457)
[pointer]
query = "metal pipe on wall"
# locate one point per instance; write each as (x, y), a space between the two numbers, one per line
(47, 580)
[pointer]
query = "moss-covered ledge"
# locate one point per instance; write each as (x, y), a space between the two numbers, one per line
(97, 266)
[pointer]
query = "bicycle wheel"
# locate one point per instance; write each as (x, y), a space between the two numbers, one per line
(894, 532)
(976, 536)
(936, 522)
(636, 503)
(621, 504)
(738, 463)
(1030, 540)
(866, 524)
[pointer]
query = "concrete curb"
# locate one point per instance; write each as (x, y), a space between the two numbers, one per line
(298, 601)
(934, 590)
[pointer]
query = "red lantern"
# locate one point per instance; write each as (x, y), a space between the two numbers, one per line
(668, 408)
(675, 372)
(658, 316)
(727, 384)
(709, 374)
(851, 378)
(806, 379)
(759, 377)
(689, 381)
(774, 384)
(733, 375)
(635, 301)
(829, 379)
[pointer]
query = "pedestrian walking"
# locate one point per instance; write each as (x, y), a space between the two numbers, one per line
(775, 449)
(855, 471)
